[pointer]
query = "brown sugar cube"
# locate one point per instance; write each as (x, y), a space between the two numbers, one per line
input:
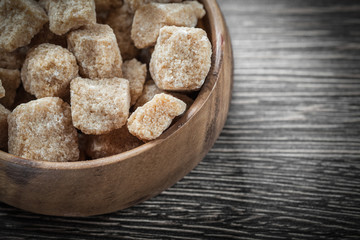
(135, 72)
(135, 4)
(3, 127)
(20, 20)
(11, 60)
(65, 15)
(99, 106)
(10, 79)
(42, 130)
(153, 118)
(48, 70)
(181, 59)
(2, 90)
(150, 18)
(96, 51)
(115, 142)
(120, 20)
(149, 91)
(104, 5)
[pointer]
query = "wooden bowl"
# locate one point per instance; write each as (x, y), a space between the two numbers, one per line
(109, 184)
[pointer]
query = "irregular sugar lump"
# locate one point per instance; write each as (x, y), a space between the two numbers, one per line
(48, 70)
(96, 51)
(10, 79)
(150, 90)
(135, 4)
(11, 60)
(181, 59)
(150, 18)
(153, 118)
(115, 142)
(120, 20)
(20, 20)
(42, 130)
(135, 72)
(99, 106)
(65, 15)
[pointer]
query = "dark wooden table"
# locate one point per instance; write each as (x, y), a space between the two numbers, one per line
(287, 164)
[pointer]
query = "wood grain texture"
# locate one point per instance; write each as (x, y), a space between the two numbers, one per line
(287, 164)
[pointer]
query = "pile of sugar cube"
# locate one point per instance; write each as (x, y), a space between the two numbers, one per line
(85, 79)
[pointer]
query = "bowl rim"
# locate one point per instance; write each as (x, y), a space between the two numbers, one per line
(214, 26)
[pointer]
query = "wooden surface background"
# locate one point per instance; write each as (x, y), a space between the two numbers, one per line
(287, 164)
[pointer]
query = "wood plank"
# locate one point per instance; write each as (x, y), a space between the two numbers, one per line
(287, 164)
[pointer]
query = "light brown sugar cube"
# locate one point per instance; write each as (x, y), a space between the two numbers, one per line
(120, 20)
(115, 142)
(11, 60)
(150, 18)
(149, 91)
(105, 5)
(181, 59)
(42, 130)
(10, 79)
(153, 118)
(2, 90)
(99, 106)
(65, 15)
(20, 20)
(48, 70)
(135, 4)
(135, 72)
(96, 51)
(3, 127)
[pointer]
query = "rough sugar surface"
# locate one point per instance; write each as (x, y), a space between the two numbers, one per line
(42, 130)
(11, 60)
(149, 91)
(182, 58)
(70, 14)
(152, 119)
(150, 18)
(3, 127)
(96, 51)
(48, 70)
(19, 21)
(10, 81)
(135, 4)
(115, 142)
(120, 20)
(135, 72)
(99, 106)
(104, 5)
